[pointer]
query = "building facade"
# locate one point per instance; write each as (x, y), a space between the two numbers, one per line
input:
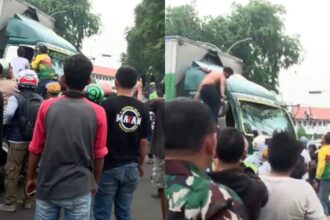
(315, 121)
(105, 77)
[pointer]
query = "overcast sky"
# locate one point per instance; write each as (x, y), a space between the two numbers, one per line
(116, 16)
(310, 20)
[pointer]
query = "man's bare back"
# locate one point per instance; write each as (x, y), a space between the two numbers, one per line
(213, 78)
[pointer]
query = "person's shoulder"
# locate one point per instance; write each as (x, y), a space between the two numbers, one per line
(26, 60)
(95, 106)
(110, 101)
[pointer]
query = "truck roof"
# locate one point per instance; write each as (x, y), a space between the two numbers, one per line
(25, 30)
(239, 85)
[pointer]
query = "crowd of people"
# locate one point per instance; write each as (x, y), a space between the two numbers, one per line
(214, 173)
(84, 152)
(80, 151)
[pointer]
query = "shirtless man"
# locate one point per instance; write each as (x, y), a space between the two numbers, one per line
(212, 89)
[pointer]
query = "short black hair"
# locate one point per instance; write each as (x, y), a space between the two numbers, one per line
(127, 77)
(313, 146)
(228, 70)
(327, 138)
(77, 71)
(283, 151)
(1, 68)
(43, 49)
(20, 52)
(230, 146)
(255, 133)
(186, 125)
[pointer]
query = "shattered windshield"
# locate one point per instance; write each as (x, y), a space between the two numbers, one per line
(265, 118)
(57, 61)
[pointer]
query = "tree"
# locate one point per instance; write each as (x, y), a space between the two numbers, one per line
(270, 50)
(145, 50)
(75, 23)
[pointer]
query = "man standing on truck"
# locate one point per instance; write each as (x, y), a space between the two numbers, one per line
(212, 89)
(42, 64)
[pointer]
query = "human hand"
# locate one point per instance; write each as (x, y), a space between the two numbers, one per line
(141, 170)
(30, 186)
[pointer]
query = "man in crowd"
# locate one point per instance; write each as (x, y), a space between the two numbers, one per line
(248, 186)
(212, 89)
(19, 63)
(8, 85)
(190, 144)
(323, 172)
(16, 117)
(157, 106)
(128, 122)
(42, 64)
(72, 159)
(288, 198)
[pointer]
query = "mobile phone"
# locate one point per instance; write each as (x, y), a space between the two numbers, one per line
(31, 193)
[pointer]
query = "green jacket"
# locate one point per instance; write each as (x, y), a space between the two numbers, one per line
(191, 194)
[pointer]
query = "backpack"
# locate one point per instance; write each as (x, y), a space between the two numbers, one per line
(28, 107)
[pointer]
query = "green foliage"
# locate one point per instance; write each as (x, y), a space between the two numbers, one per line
(145, 50)
(269, 51)
(76, 23)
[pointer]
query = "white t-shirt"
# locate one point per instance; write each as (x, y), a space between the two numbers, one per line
(19, 63)
(306, 155)
(290, 199)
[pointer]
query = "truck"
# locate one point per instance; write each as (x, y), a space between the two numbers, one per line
(248, 107)
(22, 24)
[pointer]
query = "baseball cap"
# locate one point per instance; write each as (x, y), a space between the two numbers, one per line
(53, 87)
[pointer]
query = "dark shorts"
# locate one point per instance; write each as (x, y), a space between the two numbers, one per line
(210, 95)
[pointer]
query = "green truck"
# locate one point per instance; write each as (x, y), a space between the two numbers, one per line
(21, 24)
(249, 106)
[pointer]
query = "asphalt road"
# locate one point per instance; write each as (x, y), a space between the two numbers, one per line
(144, 207)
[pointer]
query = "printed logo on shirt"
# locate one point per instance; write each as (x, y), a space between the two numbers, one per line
(129, 119)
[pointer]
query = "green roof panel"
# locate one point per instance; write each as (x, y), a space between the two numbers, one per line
(26, 30)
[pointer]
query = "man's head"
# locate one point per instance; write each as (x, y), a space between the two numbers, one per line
(230, 146)
(228, 71)
(53, 89)
(43, 50)
(126, 78)
(20, 52)
(326, 139)
(190, 131)
(283, 152)
(77, 72)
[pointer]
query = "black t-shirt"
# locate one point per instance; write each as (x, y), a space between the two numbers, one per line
(128, 123)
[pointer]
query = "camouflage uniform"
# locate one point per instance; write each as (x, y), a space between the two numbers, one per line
(192, 195)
